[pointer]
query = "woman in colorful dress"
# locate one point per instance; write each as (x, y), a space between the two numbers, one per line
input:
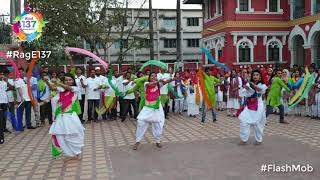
(285, 95)
(152, 111)
(299, 107)
(253, 113)
(193, 97)
(179, 88)
(67, 131)
(316, 104)
(235, 84)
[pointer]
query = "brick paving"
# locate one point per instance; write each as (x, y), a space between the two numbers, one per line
(27, 155)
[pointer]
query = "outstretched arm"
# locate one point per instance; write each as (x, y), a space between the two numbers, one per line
(283, 85)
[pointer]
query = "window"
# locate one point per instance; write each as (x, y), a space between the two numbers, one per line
(244, 5)
(144, 22)
(273, 5)
(274, 51)
(169, 22)
(193, 42)
(218, 7)
(207, 5)
(124, 43)
(219, 54)
(298, 9)
(170, 43)
(316, 6)
(193, 21)
(144, 43)
(244, 52)
(125, 21)
(99, 45)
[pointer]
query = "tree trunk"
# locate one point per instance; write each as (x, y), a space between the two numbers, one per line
(151, 30)
(179, 59)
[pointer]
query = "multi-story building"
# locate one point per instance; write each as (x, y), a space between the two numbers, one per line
(261, 32)
(164, 39)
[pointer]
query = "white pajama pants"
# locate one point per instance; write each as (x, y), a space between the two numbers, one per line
(245, 131)
(71, 144)
(178, 105)
(142, 127)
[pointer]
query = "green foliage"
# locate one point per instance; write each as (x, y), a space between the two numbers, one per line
(5, 33)
(95, 21)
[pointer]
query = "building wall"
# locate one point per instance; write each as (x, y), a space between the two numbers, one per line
(259, 26)
(162, 31)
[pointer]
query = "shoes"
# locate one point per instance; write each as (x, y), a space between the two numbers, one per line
(31, 127)
(135, 146)
(215, 120)
(257, 143)
(123, 119)
(241, 143)
(158, 145)
(1, 141)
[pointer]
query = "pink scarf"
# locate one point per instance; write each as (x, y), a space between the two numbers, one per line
(65, 99)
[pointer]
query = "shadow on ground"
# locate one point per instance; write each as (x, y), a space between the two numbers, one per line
(214, 160)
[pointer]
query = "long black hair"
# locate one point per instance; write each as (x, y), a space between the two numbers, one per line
(251, 80)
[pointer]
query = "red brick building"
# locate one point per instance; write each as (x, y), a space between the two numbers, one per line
(261, 32)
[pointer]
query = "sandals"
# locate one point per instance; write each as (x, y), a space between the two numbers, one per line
(135, 146)
(158, 145)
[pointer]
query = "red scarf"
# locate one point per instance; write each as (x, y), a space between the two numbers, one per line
(234, 82)
(152, 94)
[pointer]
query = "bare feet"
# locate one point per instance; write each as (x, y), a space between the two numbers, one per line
(135, 146)
(159, 145)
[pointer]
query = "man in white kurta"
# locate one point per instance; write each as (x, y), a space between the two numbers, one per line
(164, 91)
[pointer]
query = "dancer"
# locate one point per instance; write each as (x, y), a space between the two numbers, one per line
(67, 131)
(208, 84)
(274, 96)
(152, 112)
(253, 113)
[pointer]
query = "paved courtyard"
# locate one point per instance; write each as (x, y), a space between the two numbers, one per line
(191, 151)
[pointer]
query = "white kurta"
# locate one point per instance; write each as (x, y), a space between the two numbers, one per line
(147, 116)
(249, 118)
(193, 107)
(69, 131)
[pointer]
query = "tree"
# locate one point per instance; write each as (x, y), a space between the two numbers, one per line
(5, 33)
(151, 30)
(98, 22)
